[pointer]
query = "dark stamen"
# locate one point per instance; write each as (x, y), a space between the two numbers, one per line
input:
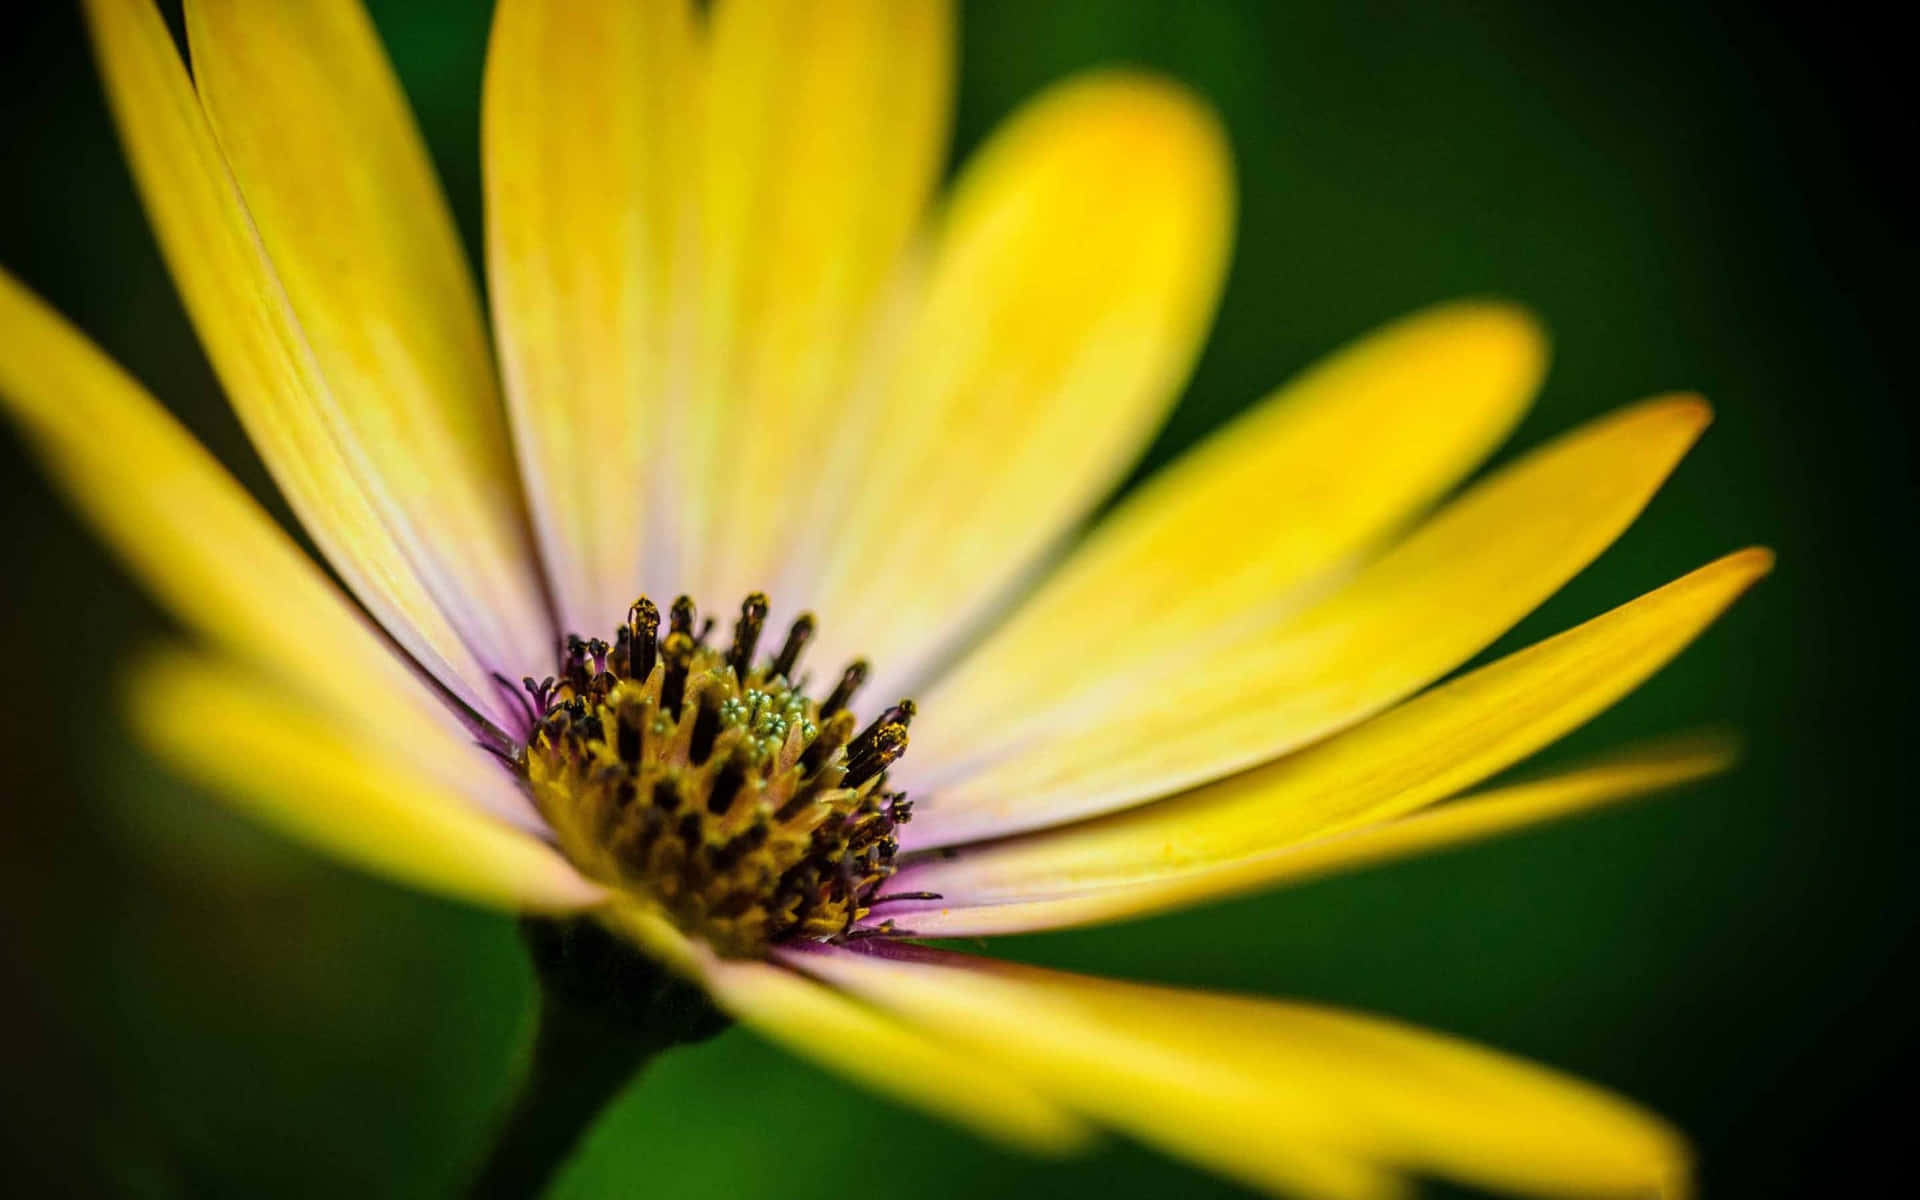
(620, 661)
(706, 727)
(680, 616)
(644, 619)
(887, 745)
(900, 714)
(746, 635)
(726, 785)
(629, 739)
(526, 704)
(850, 681)
(677, 650)
(833, 734)
(789, 656)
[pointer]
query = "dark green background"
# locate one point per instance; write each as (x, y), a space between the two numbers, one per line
(1692, 198)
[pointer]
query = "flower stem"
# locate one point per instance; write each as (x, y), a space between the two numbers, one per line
(605, 1012)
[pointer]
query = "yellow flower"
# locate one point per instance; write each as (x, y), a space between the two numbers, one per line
(736, 352)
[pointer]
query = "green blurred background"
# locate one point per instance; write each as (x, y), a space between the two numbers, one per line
(1692, 197)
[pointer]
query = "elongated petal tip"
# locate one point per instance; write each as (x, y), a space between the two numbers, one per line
(1693, 405)
(1756, 562)
(1490, 323)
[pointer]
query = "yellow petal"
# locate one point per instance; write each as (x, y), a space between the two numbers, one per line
(1070, 284)
(845, 1035)
(1240, 1083)
(1619, 777)
(588, 137)
(1427, 605)
(826, 133)
(1425, 750)
(261, 353)
(1317, 473)
(339, 187)
(305, 773)
(194, 537)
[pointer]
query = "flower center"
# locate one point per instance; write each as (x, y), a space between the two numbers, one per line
(707, 784)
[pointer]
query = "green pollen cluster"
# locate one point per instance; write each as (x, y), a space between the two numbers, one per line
(767, 716)
(699, 781)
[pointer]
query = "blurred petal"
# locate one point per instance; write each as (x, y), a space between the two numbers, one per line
(306, 774)
(1233, 531)
(1070, 285)
(874, 1049)
(394, 321)
(194, 537)
(1425, 750)
(588, 134)
(826, 134)
(1454, 585)
(1237, 1082)
(1624, 776)
(263, 357)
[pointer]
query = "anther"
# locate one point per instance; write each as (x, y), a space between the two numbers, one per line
(726, 785)
(887, 746)
(644, 620)
(746, 635)
(900, 714)
(680, 616)
(677, 650)
(850, 681)
(706, 727)
(629, 738)
(789, 656)
(833, 735)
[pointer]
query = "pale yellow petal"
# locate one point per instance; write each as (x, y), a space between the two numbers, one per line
(825, 134)
(1240, 1083)
(1624, 776)
(340, 190)
(309, 775)
(1421, 609)
(1237, 529)
(193, 536)
(588, 140)
(880, 1052)
(250, 331)
(1425, 750)
(1070, 284)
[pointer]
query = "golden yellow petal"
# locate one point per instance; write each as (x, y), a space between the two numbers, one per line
(307, 774)
(1627, 775)
(340, 190)
(825, 135)
(193, 536)
(263, 357)
(1240, 526)
(1425, 750)
(589, 140)
(1069, 286)
(1215, 704)
(1242, 1084)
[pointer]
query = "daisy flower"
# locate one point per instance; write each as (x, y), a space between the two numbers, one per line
(743, 353)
